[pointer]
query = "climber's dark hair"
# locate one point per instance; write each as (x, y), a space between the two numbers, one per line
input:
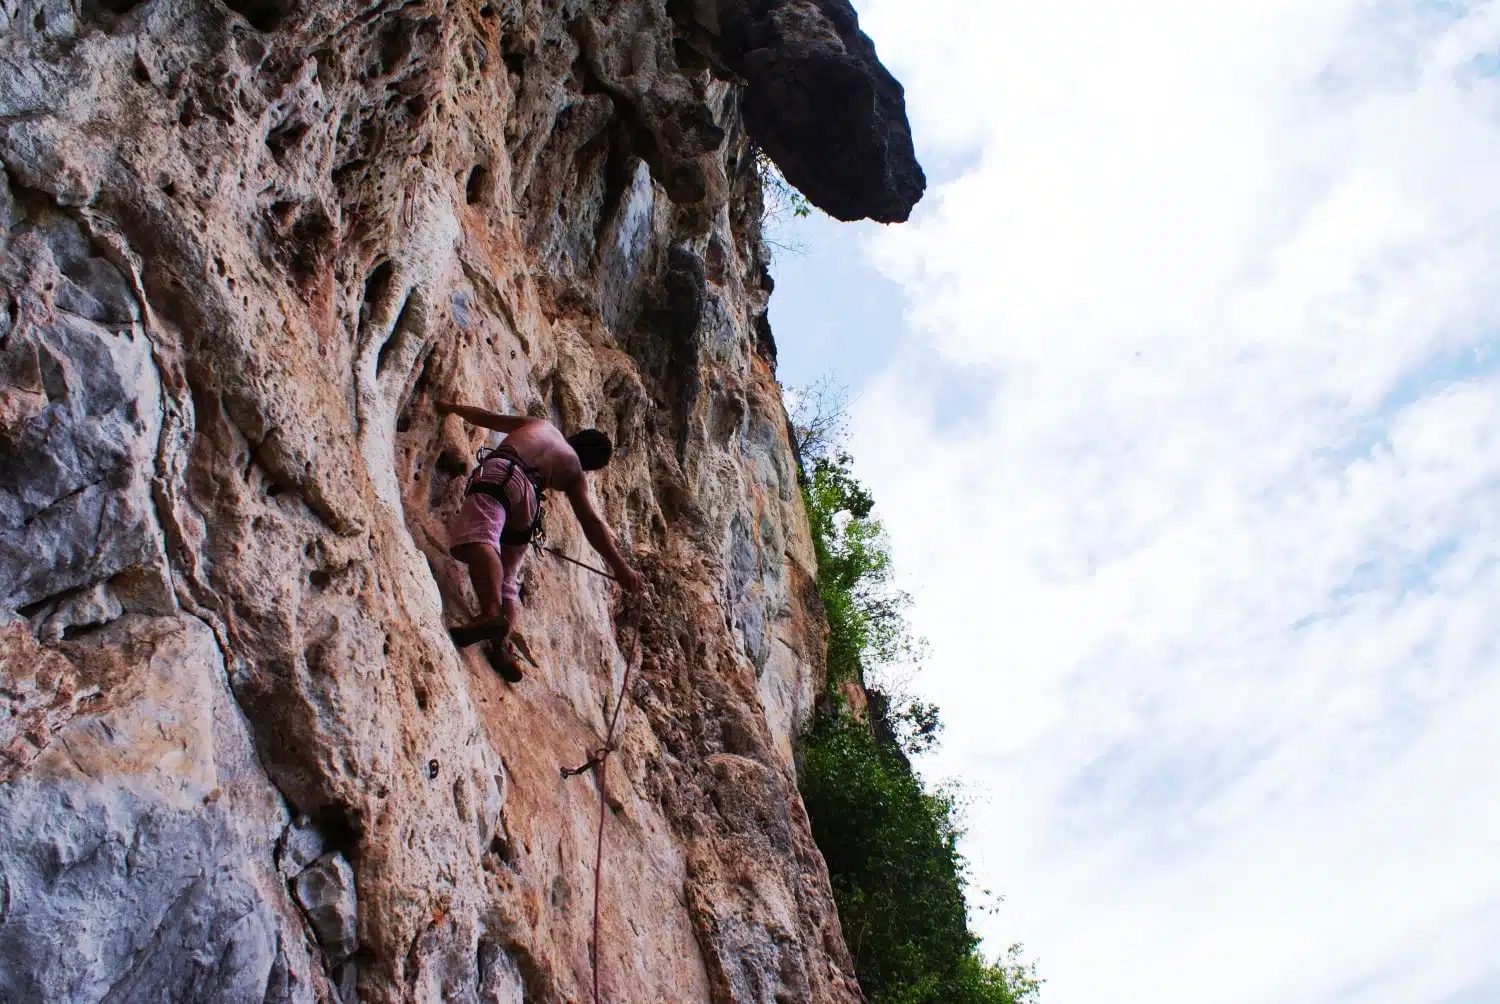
(593, 448)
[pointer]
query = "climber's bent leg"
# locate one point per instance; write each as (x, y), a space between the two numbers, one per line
(512, 557)
(502, 650)
(487, 573)
(473, 538)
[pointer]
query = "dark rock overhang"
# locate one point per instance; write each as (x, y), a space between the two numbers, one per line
(820, 104)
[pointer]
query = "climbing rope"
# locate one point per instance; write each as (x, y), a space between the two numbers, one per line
(558, 554)
(598, 762)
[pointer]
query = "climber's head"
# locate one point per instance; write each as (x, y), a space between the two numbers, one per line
(593, 448)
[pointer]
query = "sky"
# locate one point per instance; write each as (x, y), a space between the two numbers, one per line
(1179, 399)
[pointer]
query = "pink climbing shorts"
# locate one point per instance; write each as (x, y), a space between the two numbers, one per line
(483, 517)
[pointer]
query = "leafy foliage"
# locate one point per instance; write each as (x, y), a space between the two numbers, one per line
(918, 726)
(891, 844)
(781, 198)
(866, 617)
(891, 853)
(898, 878)
(781, 204)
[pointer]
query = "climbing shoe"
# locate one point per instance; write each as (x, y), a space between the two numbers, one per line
(473, 634)
(505, 659)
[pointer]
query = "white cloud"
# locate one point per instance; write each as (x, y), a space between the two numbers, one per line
(1219, 641)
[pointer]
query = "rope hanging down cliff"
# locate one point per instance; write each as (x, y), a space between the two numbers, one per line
(598, 762)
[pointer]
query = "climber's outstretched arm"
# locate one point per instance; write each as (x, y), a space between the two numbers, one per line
(598, 534)
(478, 416)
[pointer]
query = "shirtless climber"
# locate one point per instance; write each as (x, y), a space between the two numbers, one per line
(502, 511)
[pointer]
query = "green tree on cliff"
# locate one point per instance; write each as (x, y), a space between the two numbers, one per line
(890, 843)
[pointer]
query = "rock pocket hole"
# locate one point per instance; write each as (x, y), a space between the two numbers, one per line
(502, 849)
(264, 15)
(311, 236)
(478, 184)
(344, 174)
(689, 59)
(423, 377)
(340, 830)
(395, 48)
(96, 10)
(75, 631)
(452, 463)
(383, 357)
(376, 285)
(285, 137)
(30, 610)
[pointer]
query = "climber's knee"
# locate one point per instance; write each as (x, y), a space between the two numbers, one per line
(470, 553)
(512, 557)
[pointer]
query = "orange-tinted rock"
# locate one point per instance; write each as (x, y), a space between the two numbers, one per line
(245, 250)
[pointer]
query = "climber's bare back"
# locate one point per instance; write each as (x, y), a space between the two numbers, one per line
(539, 444)
(545, 450)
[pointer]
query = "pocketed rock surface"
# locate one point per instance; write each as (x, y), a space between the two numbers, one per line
(243, 249)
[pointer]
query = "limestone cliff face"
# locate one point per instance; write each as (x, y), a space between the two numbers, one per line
(242, 251)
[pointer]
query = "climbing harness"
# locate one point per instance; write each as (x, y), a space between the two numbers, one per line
(512, 536)
(535, 534)
(598, 762)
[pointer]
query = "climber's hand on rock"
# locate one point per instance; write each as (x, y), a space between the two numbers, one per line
(444, 407)
(631, 579)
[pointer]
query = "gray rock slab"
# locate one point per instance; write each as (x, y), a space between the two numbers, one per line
(137, 859)
(75, 501)
(326, 891)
